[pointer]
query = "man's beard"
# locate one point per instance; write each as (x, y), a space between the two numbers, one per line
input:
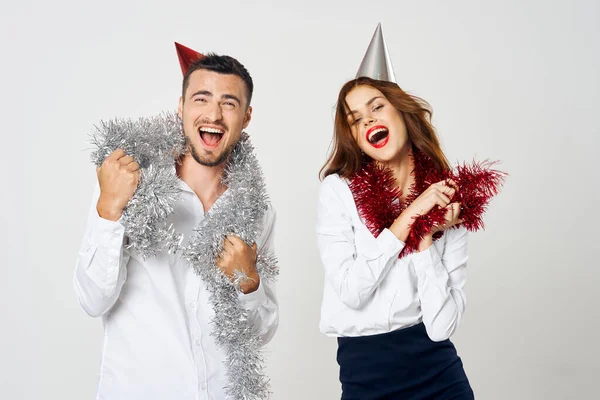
(206, 161)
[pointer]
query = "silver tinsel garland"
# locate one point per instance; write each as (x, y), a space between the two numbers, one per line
(156, 143)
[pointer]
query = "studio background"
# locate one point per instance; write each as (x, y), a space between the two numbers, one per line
(515, 81)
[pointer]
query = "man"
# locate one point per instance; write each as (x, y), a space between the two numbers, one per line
(163, 317)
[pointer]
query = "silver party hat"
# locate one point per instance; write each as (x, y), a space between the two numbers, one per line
(376, 63)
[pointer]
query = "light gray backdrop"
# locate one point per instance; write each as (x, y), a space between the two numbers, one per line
(509, 80)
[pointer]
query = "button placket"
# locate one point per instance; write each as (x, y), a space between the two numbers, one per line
(193, 292)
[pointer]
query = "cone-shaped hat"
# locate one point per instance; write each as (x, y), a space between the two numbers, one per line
(376, 63)
(186, 56)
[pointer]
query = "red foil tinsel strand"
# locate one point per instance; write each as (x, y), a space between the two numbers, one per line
(377, 196)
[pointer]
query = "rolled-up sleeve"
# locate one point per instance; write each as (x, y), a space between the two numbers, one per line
(441, 280)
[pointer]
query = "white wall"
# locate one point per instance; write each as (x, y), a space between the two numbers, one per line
(509, 80)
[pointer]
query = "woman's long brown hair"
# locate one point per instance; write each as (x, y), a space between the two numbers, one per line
(346, 157)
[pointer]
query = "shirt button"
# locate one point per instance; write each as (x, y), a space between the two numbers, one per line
(203, 386)
(192, 304)
(198, 342)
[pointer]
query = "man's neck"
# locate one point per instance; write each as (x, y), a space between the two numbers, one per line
(204, 181)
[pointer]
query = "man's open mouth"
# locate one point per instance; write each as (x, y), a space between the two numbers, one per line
(211, 137)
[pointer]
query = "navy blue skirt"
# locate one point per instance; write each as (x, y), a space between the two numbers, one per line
(404, 364)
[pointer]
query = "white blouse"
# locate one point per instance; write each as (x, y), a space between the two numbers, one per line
(369, 290)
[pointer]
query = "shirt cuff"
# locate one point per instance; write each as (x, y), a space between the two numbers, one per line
(428, 262)
(109, 234)
(386, 244)
(252, 301)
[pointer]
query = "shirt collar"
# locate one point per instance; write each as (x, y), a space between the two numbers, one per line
(183, 186)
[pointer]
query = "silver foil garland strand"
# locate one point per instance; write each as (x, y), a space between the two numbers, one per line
(156, 143)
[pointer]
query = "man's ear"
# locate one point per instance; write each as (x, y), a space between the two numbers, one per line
(180, 107)
(248, 117)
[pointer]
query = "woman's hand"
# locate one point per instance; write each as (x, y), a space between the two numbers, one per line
(452, 218)
(439, 194)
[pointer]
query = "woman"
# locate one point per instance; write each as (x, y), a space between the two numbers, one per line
(392, 232)
(392, 310)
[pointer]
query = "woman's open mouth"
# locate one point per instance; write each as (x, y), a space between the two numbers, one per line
(378, 136)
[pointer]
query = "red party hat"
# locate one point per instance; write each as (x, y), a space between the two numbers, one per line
(186, 56)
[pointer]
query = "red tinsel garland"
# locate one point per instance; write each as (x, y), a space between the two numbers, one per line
(377, 196)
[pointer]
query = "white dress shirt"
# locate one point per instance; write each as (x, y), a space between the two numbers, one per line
(156, 312)
(369, 290)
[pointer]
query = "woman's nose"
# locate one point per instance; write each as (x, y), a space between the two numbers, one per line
(368, 120)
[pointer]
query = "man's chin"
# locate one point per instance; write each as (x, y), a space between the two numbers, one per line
(210, 160)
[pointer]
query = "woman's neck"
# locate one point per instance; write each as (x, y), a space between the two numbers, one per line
(402, 167)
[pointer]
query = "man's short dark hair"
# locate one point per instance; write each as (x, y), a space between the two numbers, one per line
(222, 65)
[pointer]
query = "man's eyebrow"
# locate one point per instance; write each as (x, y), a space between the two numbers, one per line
(201, 92)
(231, 97)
